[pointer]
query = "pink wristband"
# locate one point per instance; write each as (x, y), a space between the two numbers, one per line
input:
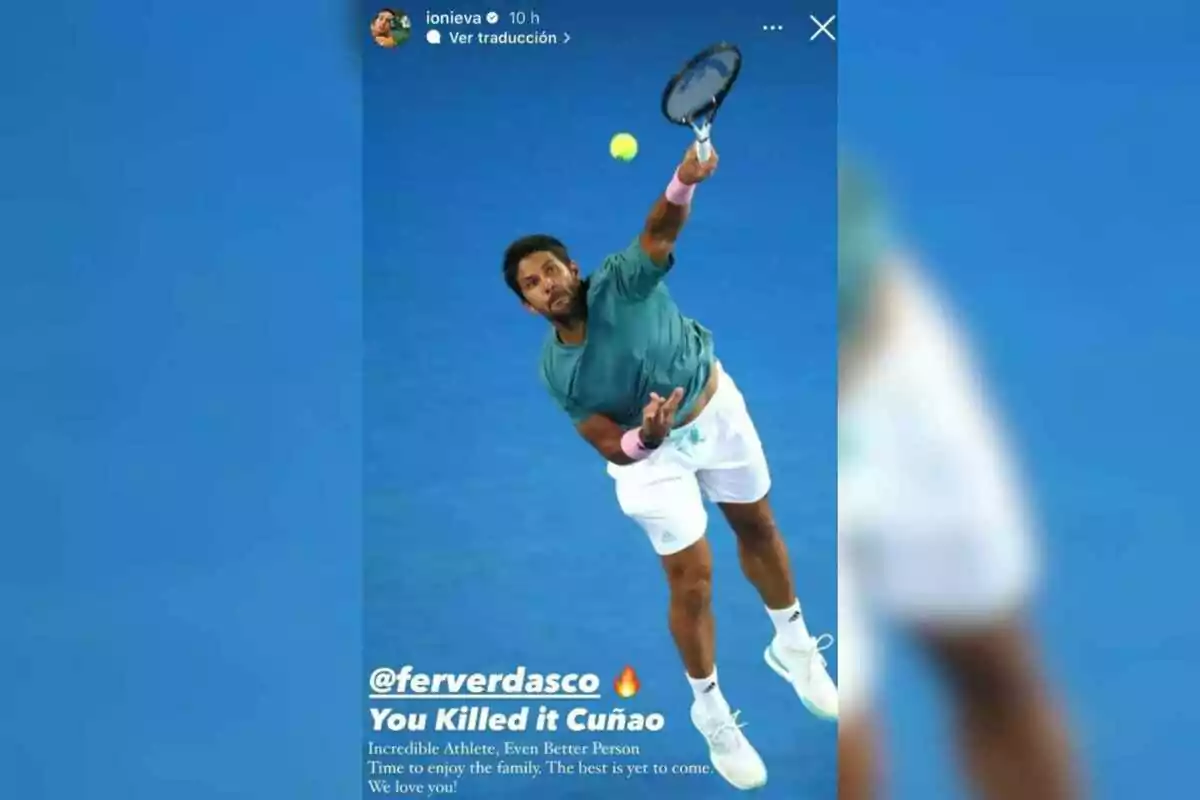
(679, 193)
(632, 446)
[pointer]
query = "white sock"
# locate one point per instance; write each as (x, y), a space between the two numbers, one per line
(789, 625)
(708, 693)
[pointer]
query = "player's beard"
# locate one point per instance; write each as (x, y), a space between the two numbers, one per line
(573, 311)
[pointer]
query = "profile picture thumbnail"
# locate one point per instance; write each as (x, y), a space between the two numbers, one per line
(390, 28)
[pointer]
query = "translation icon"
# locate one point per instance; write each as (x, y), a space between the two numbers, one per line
(433, 36)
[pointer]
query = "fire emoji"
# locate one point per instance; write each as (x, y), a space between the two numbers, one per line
(627, 684)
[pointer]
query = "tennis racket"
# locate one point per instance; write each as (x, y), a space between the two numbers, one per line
(695, 93)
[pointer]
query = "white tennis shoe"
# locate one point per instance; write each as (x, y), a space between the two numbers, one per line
(805, 669)
(732, 755)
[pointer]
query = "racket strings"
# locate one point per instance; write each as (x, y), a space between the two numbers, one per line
(693, 97)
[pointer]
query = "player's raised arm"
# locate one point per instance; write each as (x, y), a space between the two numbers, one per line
(671, 210)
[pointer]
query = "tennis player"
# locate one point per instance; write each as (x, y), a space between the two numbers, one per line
(382, 26)
(933, 528)
(641, 383)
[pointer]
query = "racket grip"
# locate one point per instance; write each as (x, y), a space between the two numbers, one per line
(703, 149)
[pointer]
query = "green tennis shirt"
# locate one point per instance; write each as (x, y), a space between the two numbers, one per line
(637, 342)
(864, 235)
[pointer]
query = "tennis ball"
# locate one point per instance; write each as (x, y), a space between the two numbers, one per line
(623, 147)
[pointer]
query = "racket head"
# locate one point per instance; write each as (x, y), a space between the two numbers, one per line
(700, 88)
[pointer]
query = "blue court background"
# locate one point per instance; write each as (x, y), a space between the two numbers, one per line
(487, 517)
(1048, 173)
(182, 352)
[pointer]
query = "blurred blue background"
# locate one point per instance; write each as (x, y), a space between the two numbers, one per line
(183, 354)
(480, 496)
(1041, 159)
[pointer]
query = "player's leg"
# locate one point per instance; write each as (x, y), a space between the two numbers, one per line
(858, 740)
(794, 653)
(858, 747)
(761, 550)
(955, 546)
(690, 615)
(668, 506)
(736, 477)
(1012, 740)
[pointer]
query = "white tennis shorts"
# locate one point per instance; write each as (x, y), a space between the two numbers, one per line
(932, 523)
(717, 456)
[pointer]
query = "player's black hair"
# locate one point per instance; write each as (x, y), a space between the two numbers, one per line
(525, 247)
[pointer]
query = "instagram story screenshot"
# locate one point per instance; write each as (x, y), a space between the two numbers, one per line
(567, 400)
(600, 319)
